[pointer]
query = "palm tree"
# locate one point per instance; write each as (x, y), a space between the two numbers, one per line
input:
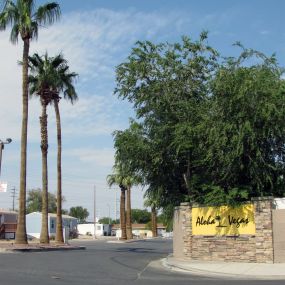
(49, 77)
(41, 83)
(65, 86)
(129, 227)
(118, 179)
(130, 181)
(25, 20)
(125, 182)
(152, 198)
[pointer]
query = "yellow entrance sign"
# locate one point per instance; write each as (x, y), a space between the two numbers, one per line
(223, 220)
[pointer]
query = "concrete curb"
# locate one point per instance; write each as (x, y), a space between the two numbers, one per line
(218, 272)
(40, 249)
(125, 241)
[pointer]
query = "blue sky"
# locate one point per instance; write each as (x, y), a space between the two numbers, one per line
(95, 36)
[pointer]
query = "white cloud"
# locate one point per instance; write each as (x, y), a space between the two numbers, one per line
(93, 42)
(99, 157)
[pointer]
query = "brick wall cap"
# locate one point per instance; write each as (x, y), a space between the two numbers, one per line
(268, 198)
(185, 204)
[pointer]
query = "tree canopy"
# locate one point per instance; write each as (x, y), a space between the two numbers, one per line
(80, 213)
(208, 129)
(140, 216)
(106, 220)
(34, 201)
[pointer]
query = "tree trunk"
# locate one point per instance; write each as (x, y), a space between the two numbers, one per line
(59, 232)
(44, 237)
(21, 233)
(123, 214)
(128, 215)
(153, 221)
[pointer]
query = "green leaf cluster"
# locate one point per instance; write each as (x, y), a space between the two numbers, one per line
(34, 201)
(80, 213)
(207, 130)
(140, 216)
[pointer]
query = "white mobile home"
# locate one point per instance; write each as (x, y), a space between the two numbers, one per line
(34, 221)
(88, 229)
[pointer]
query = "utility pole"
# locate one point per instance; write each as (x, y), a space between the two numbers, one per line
(116, 205)
(13, 192)
(94, 212)
(109, 214)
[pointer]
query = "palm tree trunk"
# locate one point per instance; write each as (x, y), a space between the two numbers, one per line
(153, 221)
(128, 215)
(59, 233)
(21, 233)
(123, 214)
(44, 237)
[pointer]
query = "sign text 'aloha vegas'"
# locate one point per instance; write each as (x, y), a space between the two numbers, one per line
(223, 220)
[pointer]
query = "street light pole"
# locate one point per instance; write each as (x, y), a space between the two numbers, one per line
(1, 149)
(94, 212)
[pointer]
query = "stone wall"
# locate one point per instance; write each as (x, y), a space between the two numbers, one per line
(243, 248)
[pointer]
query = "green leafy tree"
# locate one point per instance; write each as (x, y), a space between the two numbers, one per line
(34, 201)
(25, 20)
(204, 132)
(106, 220)
(168, 85)
(140, 216)
(80, 213)
(244, 150)
(49, 77)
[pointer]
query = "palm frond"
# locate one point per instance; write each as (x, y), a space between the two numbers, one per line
(52, 74)
(58, 61)
(9, 15)
(48, 13)
(14, 34)
(3, 4)
(34, 30)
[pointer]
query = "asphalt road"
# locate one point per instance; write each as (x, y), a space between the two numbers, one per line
(102, 263)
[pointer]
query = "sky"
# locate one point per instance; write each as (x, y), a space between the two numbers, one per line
(95, 36)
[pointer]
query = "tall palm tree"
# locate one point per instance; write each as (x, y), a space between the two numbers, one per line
(41, 82)
(118, 179)
(129, 228)
(25, 20)
(152, 197)
(49, 77)
(130, 181)
(152, 203)
(65, 86)
(125, 181)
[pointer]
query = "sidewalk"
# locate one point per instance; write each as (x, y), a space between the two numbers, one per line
(227, 269)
